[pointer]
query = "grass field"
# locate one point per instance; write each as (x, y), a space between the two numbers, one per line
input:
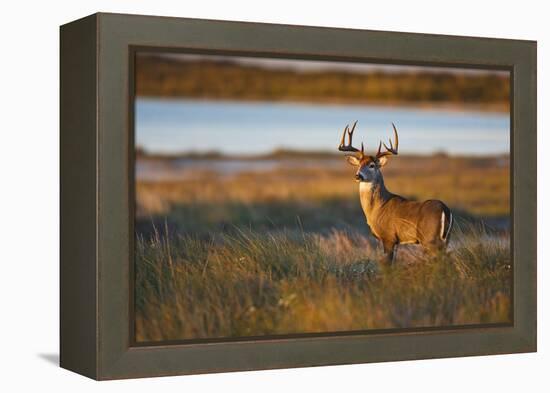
(287, 250)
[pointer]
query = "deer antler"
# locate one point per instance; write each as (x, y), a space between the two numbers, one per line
(390, 151)
(349, 147)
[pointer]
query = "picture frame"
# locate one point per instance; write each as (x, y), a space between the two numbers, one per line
(96, 170)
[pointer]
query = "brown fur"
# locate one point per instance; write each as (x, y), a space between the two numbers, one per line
(395, 220)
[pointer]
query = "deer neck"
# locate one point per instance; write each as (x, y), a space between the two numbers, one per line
(373, 196)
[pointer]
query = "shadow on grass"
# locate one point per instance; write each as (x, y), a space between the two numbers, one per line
(204, 219)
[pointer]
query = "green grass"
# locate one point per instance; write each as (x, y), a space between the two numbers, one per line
(242, 282)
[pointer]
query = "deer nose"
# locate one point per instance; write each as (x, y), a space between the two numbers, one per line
(358, 176)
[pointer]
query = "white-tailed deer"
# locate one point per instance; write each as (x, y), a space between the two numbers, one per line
(393, 219)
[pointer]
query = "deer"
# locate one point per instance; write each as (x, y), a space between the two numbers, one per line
(394, 220)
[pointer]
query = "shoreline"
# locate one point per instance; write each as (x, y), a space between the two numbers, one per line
(294, 155)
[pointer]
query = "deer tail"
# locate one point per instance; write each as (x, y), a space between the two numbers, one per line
(446, 224)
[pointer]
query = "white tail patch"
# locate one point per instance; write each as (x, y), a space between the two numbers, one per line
(444, 235)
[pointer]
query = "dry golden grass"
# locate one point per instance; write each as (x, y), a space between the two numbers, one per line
(288, 251)
(250, 284)
(476, 186)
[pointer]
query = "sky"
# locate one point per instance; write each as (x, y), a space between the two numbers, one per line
(314, 65)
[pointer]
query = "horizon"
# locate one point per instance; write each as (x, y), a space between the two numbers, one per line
(282, 153)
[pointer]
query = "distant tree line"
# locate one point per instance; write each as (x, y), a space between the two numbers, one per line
(158, 76)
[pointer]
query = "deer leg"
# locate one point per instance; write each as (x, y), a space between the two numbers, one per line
(389, 253)
(434, 248)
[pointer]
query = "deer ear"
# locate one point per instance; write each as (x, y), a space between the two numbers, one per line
(353, 160)
(382, 161)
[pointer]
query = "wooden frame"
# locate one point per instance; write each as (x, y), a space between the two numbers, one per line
(97, 208)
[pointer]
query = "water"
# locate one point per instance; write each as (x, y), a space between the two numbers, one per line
(190, 168)
(181, 125)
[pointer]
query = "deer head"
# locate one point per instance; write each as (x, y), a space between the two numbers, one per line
(368, 167)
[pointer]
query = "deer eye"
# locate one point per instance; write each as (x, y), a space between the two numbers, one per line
(371, 165)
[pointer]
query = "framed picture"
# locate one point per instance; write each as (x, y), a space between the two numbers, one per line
(242, 196)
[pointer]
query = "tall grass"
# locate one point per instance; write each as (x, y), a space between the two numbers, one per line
(249, 283)
(288, 251)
